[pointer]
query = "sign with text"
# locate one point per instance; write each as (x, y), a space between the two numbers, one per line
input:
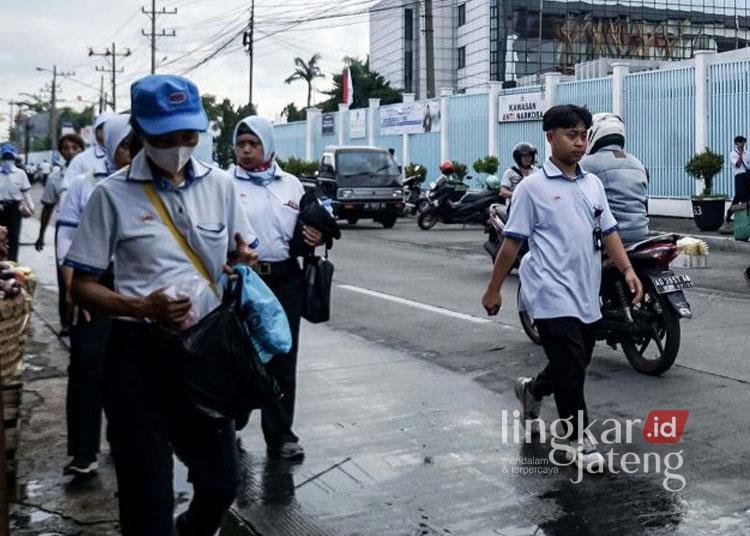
(521, 107)
(328, 122)
(410, 117)
(358, 123)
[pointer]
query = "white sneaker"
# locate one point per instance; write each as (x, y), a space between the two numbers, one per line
(531, 406)
(587, 457)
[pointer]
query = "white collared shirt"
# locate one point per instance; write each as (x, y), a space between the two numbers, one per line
(90, 160)
(14, 185)
(744, 166)
(561, 274)
(272, 210)
(120, 222)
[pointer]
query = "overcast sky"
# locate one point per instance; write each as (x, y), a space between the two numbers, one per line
(41, 33)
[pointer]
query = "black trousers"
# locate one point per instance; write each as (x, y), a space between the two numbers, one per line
(88, 348)
(149, 418)
(741, 190)
(568, 343)
(10, 217)
(277, 420)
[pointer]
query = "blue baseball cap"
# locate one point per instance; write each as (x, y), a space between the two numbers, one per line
(8, 148)
(162, 103)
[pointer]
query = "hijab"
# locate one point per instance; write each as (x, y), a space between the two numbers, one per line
(116, 129)
(263, 129)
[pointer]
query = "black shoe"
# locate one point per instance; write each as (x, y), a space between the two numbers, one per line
(81, 465)
(287, 451)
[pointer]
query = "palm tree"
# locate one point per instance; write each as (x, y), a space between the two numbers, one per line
(307, 71)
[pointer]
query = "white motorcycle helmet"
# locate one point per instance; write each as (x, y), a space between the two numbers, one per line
(606, 129)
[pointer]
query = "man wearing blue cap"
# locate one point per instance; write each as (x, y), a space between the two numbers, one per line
(15, 200)
(134, 218)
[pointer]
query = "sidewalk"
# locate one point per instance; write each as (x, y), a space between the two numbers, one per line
(686, 226)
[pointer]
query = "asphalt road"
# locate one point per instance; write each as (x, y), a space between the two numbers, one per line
(419, 292)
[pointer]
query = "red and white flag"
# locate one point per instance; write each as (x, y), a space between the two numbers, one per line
(347, 89)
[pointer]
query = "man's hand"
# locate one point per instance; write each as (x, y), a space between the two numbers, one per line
(243, 255)
(634, 284)
(74, 311)
(492, 301)
(39, 244)
(164, 310)
(313, 237)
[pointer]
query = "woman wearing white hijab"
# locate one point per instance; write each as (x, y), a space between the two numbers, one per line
(89, 332)
(271, 199)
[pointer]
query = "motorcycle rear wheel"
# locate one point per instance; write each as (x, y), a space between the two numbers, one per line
(428, 220)
(655, 352)
(529, 327)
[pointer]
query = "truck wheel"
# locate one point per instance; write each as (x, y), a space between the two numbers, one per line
(388, 221)
(352, 221)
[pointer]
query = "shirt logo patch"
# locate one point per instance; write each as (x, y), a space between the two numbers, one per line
(178, 97)
(146, 217)
(292, 204)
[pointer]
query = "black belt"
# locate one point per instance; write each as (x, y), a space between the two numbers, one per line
(278, 269)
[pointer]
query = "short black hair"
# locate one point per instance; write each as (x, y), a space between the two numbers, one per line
(73, 138)
(566, 116)
(740, 139)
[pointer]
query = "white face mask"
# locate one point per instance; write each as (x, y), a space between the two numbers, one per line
(172, 159)
(7, 166)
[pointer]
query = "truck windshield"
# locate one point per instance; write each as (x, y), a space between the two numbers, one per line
(367, 163)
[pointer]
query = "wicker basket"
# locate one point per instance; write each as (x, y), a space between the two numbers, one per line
(14, 320)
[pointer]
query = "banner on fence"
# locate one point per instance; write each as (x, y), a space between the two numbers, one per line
(358, 123)
(521, 107)
(328, 123)
(410, 117)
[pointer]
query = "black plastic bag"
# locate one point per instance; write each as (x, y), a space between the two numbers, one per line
(316, 307)
(220, 370)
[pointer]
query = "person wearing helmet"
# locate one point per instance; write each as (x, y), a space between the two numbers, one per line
(524, 158)
(624, 178)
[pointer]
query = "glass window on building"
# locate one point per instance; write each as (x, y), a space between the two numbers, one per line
(461, 57)
(462, 15)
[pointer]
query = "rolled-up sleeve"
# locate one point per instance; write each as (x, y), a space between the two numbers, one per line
(521, 220)
(94, 243)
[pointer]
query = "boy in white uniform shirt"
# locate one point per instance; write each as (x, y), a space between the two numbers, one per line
(563, 213)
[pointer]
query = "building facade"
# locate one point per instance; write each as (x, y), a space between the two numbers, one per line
(477, 41)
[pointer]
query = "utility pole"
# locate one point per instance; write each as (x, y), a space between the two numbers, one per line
(152, 34)
(429, 36)
(111, 55)
(247, 40)
(102, 95)
(53, 100)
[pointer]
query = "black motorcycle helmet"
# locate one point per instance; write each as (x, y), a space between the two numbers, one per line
(524, 149)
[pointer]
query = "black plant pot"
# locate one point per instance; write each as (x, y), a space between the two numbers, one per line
(708, 213)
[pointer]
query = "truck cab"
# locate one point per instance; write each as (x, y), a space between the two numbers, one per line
(363, 182)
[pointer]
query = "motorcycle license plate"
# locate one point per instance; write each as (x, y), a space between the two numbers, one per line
(671, 283)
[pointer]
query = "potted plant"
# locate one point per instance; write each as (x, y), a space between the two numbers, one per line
(489, 165)
(708, 209)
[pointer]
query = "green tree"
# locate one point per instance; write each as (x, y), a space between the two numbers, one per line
(367, 85)
(307, 71)
(292, 113)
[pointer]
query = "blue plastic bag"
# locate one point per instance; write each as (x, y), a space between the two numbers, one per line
(266, 320)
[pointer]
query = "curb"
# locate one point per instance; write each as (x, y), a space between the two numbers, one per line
(717, 243)
(234, 525)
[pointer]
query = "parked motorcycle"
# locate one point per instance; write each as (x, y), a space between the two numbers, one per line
(470, 207)
(648, 333)
(415, 200)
